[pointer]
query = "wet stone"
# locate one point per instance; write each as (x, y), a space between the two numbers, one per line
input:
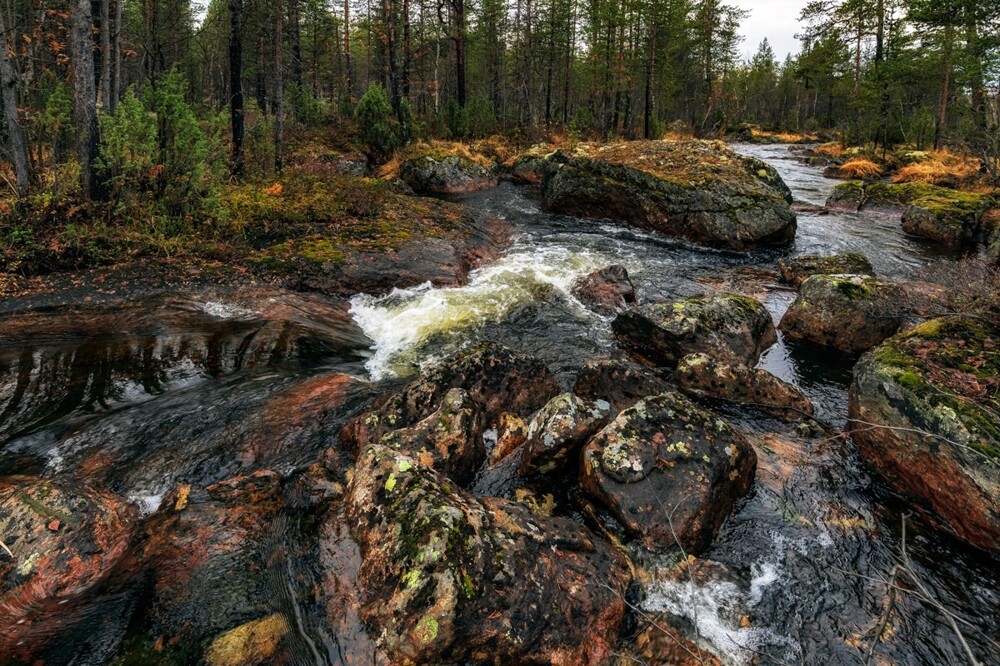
(557, 432)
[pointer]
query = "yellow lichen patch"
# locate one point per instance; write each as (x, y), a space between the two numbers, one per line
(182, 496)
(249, 644)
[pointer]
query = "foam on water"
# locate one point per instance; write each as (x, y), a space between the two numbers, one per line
(227, 310)
(400, 322)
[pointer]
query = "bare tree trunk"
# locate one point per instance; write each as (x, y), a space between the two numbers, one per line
(17, 145)
(277, 103)
(84, 94)
(116, 46)
(407, 51)
(236, 83)
(296, 36)
(347, 49)
(942, 110)
(391, 56)
(105, 85)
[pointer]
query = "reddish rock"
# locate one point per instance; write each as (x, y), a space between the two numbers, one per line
(557, 432)
(619, 381)
(607, 290)
(668, 471)
(511, 431)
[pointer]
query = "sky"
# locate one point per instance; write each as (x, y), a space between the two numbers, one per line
(778, 20)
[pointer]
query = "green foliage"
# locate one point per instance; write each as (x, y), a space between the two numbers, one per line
(308, 110)
(375, 125)
(258, 141)
(456, 119)
(129, 147)
(480, 119)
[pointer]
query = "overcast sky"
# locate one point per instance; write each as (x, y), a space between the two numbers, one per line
(778, 20)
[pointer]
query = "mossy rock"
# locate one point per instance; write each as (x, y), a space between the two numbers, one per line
(795, 271)
(851, 313)
(436, 172)
(924, 406)
(695, 190)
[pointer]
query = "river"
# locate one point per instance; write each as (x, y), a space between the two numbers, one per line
(139, 397)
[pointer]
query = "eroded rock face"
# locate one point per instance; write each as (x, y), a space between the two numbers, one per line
(696, 190)
(607, 290)
(496, 379)
(65, 541)
(446, 577)
(795, 271)
(450, 440)
(704, 376)
(924, 408)
(557, 432)
(727, 324)
(668, 471)
(619, 381)
(445, 174)
(851, 313)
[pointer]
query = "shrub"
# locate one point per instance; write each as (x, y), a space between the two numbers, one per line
(129, 147)
(456, 119)
(375, 125)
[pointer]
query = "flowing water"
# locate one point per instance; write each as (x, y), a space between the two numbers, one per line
(199, 388)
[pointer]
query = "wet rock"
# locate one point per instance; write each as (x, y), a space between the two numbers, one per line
(795, 271)
(557, 432)
(696, 190)
(450, 440)
(928, 206)
(446, 577)
(668, 471)
(952, 223)
(706, 376)
(619, 381)
(930, 396)
(851, 313)
(445, 174)
(252, 644)
(496, 378)
(64, 541)
(207, 549)
(607, 290)
(663, 644)
(512, 432)
(527, 170)
(728, 324)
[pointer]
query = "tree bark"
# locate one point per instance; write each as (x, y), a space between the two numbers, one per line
(347, 50)
(105, 84)
(116, 46)
(236, 84)
(84, 95)
(942, 110)
(17, 144)
(277, 103)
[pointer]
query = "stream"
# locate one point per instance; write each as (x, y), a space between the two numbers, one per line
(190, 389)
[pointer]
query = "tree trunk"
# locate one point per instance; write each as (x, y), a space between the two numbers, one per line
(236, 83)
(347, 50)
(116, 45)
(392, 65)
(84, 95)
(296, 38)
(407, 52)
(459, 6)
(17, 145)
(105, 86)
(942, 110)
(277, 103)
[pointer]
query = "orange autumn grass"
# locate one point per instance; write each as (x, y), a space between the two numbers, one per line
(861, 168)
(943, 168)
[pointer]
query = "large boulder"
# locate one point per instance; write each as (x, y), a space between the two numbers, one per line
(851, 313)
(924, 411)
(449, 578)
(795, 271)
(496, 379)
(668, 471)
(61, 542)
(558, 430)
(706, 376)
(619, 381)
(695, 190)
(607, 290)
(952, 220)
(727, 324)
(440, 173)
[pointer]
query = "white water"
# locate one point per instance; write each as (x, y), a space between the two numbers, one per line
(400, 322)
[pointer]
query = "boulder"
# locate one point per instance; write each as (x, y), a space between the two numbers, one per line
(669, 472)
(252, 644)
(924, 410)
(795, 271)
(527, 170)
(559, 430)
(727, 324)
(699, 191)
(607, 290)
(61, 542)
(446, 577)
(511, 433)
(434, 173)
(449, 440)
(952, 221)
(619, 381)
(851, 313)
(496, 379)
(702, 375)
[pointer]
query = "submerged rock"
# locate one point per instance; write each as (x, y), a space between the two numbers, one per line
(668, 471)
(250, 644)
(728, 324)
(696, 190)
(61, 542)
(607, 290)
(619, 381)
(557, 432)
(704, 376)
(852, 313)
(435, 173)
(496, 378)
(924, 411)
(795, 271)
(448, 578)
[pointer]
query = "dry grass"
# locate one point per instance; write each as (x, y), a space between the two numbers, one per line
(483, 153)
(943, 168)
(832, 150)
(861, 168)
(782, 137)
